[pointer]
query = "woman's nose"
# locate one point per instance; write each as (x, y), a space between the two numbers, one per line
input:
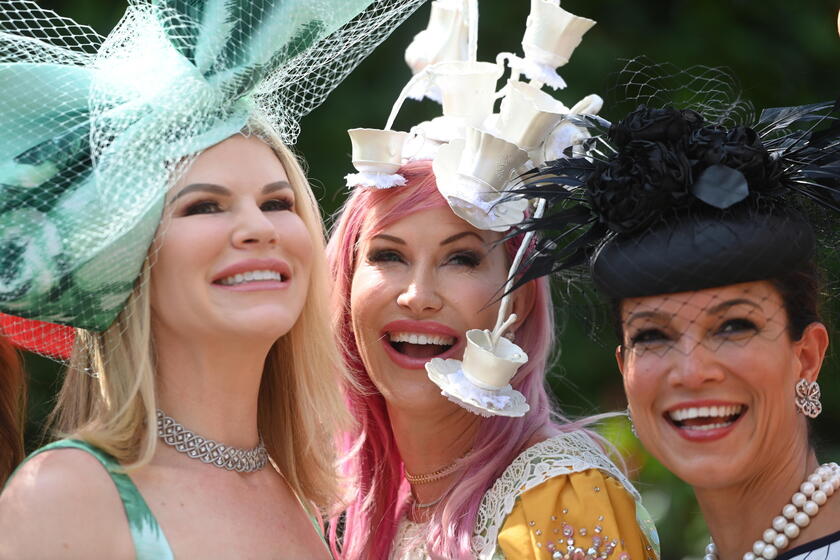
(694, 365)
(252, 227)
(421, 294)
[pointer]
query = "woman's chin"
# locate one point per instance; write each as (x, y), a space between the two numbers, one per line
(719, 466)
(268, 325)
(702, 461)
(416, 396)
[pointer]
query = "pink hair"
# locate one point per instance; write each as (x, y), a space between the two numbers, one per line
(371, 457)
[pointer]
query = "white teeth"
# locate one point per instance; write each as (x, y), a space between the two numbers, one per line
(681, 414)
(705, 427)
(416, 338)
(251, 276)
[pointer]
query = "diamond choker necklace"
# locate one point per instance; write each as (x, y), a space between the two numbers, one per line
(208, 451)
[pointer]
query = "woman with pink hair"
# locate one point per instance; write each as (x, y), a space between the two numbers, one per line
(432, 479)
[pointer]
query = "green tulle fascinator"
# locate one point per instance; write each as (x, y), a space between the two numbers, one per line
(92, 128)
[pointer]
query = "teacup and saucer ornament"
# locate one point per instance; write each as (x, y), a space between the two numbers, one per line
(477, 156)
(481, 381)
(551, 36)
(448, 37)
(377, 155)
(471, 175)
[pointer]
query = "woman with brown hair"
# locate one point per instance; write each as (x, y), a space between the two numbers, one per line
(12, 400)
(707, 236)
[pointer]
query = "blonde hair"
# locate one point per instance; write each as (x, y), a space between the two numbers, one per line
(300, 405)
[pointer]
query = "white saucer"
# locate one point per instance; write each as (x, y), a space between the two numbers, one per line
(448, 375)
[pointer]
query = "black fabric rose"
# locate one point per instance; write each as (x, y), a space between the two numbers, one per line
(655, 125)
(739, 148)
(643, 181)
(746, 153)
(706, 146)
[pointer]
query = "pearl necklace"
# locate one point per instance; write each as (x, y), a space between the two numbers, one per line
(796, 515)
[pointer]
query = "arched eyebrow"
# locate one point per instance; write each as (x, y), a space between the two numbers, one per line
(731, 303)
(448, 240)
(660, 316)
(391, 238)
(276, 186)
(457, 236)
(224, 191)
(202, 187)
(714, 310)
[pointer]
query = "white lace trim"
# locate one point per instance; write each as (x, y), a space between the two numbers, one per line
(375, 180)
(536, 71)
(560, 455)
(408, 541)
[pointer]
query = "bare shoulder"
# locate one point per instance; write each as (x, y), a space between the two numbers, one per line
(63, 504)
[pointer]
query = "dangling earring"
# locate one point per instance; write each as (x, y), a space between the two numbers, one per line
(632, 425)
(808, 398)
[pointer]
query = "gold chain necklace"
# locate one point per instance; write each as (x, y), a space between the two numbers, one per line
(433, 476)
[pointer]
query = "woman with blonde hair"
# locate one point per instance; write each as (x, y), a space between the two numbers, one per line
(155, 207)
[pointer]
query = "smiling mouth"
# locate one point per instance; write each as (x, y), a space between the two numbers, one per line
(252, 276)
(702, 418)
(416, 345)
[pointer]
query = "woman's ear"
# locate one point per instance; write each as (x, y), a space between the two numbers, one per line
(810, 351)
(523, 302)
(619, 358)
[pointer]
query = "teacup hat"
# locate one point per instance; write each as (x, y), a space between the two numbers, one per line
(672, 200)
(94, 129)
(477, 154)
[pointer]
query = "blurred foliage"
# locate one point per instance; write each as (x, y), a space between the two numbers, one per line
(783, 52)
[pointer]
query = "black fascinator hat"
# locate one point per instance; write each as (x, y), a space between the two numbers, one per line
(671, 199)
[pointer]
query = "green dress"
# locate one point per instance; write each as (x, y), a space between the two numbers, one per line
(149, 541)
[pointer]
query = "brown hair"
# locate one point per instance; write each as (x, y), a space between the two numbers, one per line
(12, 405)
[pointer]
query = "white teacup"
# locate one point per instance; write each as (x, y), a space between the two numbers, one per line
(471, 198)
(468, 89)
(528, 115)
(377, 151)
(491, 367)
(489, 160)
(445, 38)
(552, 34)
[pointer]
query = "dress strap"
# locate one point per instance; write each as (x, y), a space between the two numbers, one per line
(314, 518)
(149, 541)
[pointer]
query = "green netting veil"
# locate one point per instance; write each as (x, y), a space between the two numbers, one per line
(93, 129)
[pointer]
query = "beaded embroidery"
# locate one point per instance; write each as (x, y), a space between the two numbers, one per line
(560, 455)
(562, 544)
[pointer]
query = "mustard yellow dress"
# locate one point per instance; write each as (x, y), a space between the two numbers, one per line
(561, 499)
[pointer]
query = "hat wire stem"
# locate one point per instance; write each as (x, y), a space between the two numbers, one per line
(502, 324)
